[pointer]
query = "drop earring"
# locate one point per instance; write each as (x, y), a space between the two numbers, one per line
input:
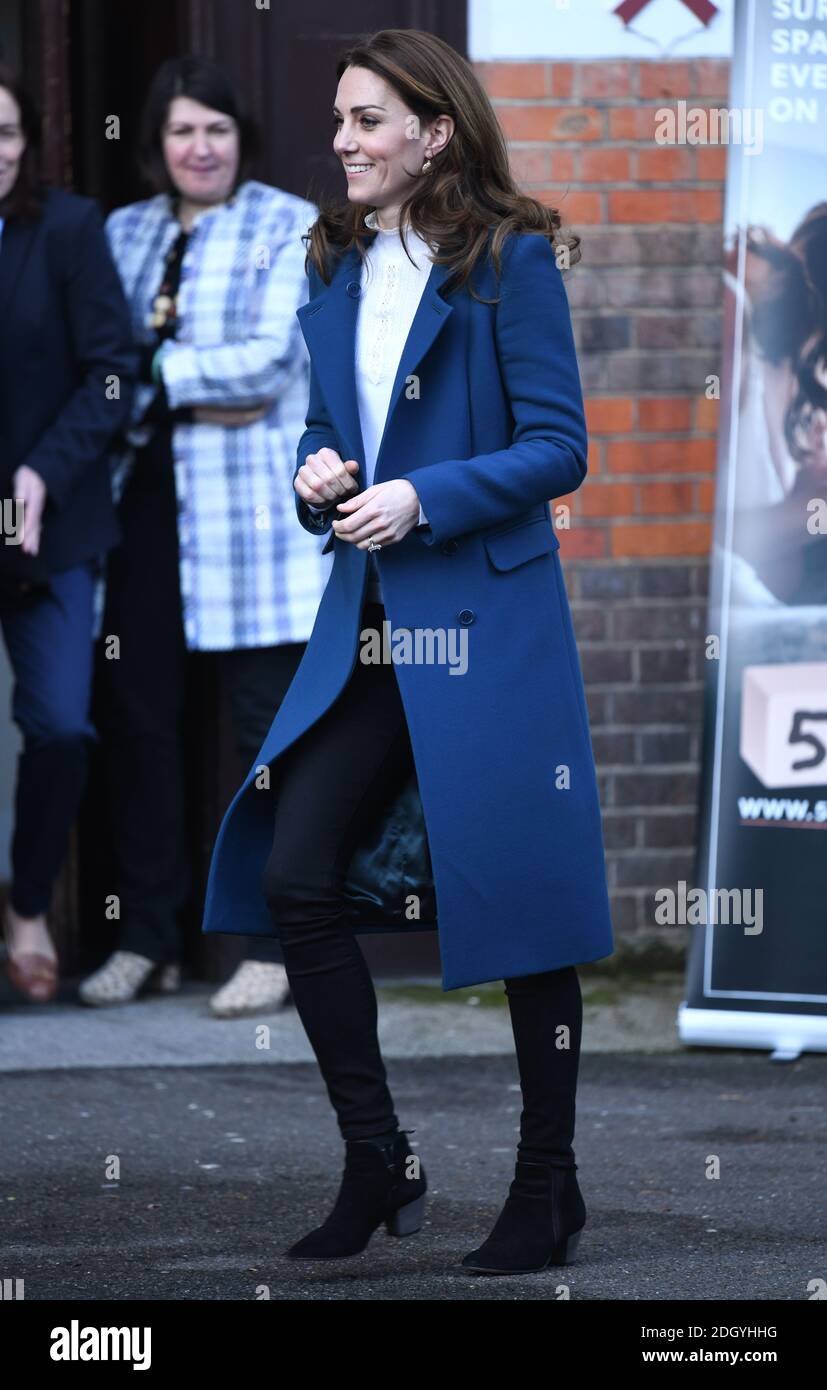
(426, 167)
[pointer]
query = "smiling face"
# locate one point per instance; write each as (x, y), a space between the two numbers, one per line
(12, 142)
(201, 149)
(380, 142)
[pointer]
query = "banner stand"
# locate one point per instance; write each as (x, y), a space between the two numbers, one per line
(757, 975)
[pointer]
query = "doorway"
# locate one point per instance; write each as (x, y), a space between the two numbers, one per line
(101, 57)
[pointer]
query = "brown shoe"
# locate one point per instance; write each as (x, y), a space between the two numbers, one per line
(33, 974)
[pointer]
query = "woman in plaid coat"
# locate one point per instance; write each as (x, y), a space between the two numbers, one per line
(212, 558)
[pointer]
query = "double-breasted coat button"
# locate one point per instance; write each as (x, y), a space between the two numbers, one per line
(450, 547)
(353, 289)
(467, 616)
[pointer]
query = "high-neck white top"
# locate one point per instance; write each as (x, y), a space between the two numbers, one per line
(391, 289)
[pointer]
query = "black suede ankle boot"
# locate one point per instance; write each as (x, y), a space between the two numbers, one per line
(383, 1181)
(539, 1226)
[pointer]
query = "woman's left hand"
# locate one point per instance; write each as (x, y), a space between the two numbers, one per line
(384, 513)
(29, 488)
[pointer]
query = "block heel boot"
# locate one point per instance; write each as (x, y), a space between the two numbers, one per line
(382, 1182)
(540, 1225)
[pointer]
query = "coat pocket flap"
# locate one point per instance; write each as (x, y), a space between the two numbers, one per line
(507, 549)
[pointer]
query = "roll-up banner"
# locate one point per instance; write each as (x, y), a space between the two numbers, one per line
(757, 971)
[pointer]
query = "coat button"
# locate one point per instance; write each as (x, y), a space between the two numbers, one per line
(450, 547)
(467, 616)
(353, 289)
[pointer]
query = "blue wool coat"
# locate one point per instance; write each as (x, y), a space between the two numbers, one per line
(486, 421)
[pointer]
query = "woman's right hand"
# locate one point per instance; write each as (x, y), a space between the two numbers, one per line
(29, 488)
(323, 478)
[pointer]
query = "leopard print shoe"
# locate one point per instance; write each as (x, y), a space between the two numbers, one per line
(258, 986)
(121, 978)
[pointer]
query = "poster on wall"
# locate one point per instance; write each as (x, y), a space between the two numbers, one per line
(757, 973)
(599, 29)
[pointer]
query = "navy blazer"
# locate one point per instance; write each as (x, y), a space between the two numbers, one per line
(67, 374)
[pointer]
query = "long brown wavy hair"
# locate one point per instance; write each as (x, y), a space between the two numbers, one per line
(469, 191)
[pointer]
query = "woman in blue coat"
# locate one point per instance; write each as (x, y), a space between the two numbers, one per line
(445, 412)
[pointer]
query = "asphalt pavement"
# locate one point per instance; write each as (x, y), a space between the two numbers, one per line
(154, 1152)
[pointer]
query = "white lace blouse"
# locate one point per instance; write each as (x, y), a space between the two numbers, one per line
(391, 288)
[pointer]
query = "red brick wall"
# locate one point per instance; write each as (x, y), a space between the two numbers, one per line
(646, 302)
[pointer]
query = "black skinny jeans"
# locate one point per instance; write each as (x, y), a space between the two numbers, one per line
(329, 785)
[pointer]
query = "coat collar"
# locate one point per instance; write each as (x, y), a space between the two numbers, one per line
(161, 209)
(328, 323)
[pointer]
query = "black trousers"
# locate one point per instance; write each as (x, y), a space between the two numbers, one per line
(143, 705)
(330, 784)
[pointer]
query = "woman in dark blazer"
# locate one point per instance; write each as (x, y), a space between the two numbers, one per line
(434, 450)
(66, 374)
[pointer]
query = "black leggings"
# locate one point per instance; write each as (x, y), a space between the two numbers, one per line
(330, 784)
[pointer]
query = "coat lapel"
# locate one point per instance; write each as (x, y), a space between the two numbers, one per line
(328, 323)
(17, 241)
